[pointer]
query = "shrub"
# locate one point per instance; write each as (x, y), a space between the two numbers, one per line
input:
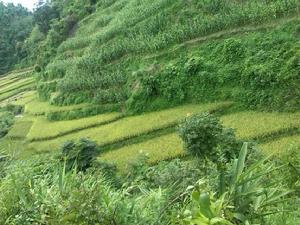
(37, 68)
(80, 154)
(206, 138)
(6, 121)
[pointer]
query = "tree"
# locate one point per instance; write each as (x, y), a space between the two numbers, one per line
(44, 14)
(15, 26)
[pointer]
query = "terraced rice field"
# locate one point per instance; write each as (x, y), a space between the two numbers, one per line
(157, 149)
(20, 130)
(25, 98)
(60, 128)
(249, 125)
(13, 84)
(281, 145)
(16, 85)
(37, 107)
(258, 125)
(33, 133)
(132, 126)
(13, 93)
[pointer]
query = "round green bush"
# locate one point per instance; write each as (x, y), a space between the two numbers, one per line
(204, 137)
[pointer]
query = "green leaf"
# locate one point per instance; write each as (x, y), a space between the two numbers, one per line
(217, 220)
(196, 196)
(239, 165)
(205, 205)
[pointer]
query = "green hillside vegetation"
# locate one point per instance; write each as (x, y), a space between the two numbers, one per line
(117, 46)
(150, 112)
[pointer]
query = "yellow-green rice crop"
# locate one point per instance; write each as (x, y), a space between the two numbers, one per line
(13, 93)
(8, 81)
(20, 130)
(256, 125)
(25, 98)
(132, 126)
(37, 107)
(156, 149)
(281, 145)
(16, 85)
(58, 128)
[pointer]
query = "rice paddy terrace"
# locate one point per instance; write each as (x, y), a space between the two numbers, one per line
(125, 39)
(124, 138)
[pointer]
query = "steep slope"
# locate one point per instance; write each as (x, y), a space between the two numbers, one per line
(140, 55)
(115, 55)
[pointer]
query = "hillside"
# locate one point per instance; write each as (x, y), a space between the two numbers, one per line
(129, 77)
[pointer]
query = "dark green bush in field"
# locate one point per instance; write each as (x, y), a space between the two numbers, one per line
(6, 121)
(14, 109)
(204, 137)
(7, 116)
(79, 154)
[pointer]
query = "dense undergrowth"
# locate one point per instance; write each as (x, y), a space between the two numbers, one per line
(73, 189)
(7, 117)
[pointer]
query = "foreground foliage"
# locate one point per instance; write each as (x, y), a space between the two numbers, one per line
(42, 191)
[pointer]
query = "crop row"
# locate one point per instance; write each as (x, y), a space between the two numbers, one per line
(13, 93)
(249, 125)
(16, 85)
(133, 126)
(37, 107)
(61, 128)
